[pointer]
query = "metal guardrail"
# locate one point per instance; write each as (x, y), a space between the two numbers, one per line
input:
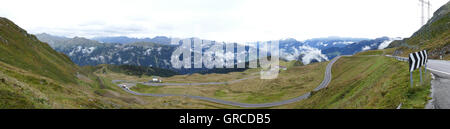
(402, 59)
(399, 58)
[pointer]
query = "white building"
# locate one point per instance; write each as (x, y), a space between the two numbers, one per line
(156, 79)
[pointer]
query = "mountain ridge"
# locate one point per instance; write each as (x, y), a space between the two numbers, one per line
(24, 50)
(90, 52)
(434, 37)
(35, 76)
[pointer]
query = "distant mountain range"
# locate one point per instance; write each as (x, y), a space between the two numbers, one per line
(90, 52)
(364, 45)
(157, 52)
(126, 40)
(321, 49)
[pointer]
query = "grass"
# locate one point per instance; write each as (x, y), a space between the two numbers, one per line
(295, 81)
(334, 54)
(147, 89)
(370, 52)
(361, 82)
(10, 99)
(24, 51)
(196, 77)
(40, 77)
(389, 51)
(33, 75)
(21, 89)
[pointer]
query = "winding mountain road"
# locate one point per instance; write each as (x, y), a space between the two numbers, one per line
(325, 82)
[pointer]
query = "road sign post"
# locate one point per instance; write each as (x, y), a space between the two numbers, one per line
(416, 61)
(421, 82)
(411, 79)
(426, 60)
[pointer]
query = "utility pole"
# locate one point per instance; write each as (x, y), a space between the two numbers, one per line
(422, 18)
(423, 23)
(428, 4)
(429, 10)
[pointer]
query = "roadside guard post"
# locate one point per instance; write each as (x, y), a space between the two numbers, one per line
(416, 61)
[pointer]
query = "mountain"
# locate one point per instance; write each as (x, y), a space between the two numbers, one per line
(89, 52)
(33, 75)
(322, 49)
(374, 44)
(50, 39)
(84, 51)
(434, 37)
(126, 40)
(25, 51)
(291, 49)
(332, 41)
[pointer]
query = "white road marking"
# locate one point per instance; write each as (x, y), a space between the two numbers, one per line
(438, 71)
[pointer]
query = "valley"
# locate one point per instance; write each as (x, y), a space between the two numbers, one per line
(252, 90)
(45, 71)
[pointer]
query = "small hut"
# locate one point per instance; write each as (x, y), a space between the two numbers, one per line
(156, 79)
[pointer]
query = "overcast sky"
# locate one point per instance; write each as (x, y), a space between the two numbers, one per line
(223, 20)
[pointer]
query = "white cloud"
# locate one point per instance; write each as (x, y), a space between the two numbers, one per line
(309, 54)
(386, 43)
(223, 20)
(365, 48)
(345, 43)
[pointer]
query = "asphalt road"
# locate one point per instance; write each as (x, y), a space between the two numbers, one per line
(324, 84)
(439, 67)
(440, 85)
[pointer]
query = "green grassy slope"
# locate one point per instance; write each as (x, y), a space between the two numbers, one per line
(369, 82)
(33, 75)
(134, 70)
(433, 37)
(20, 49)
(295, 81)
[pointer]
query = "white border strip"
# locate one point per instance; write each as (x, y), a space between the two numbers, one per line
(438, 71)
